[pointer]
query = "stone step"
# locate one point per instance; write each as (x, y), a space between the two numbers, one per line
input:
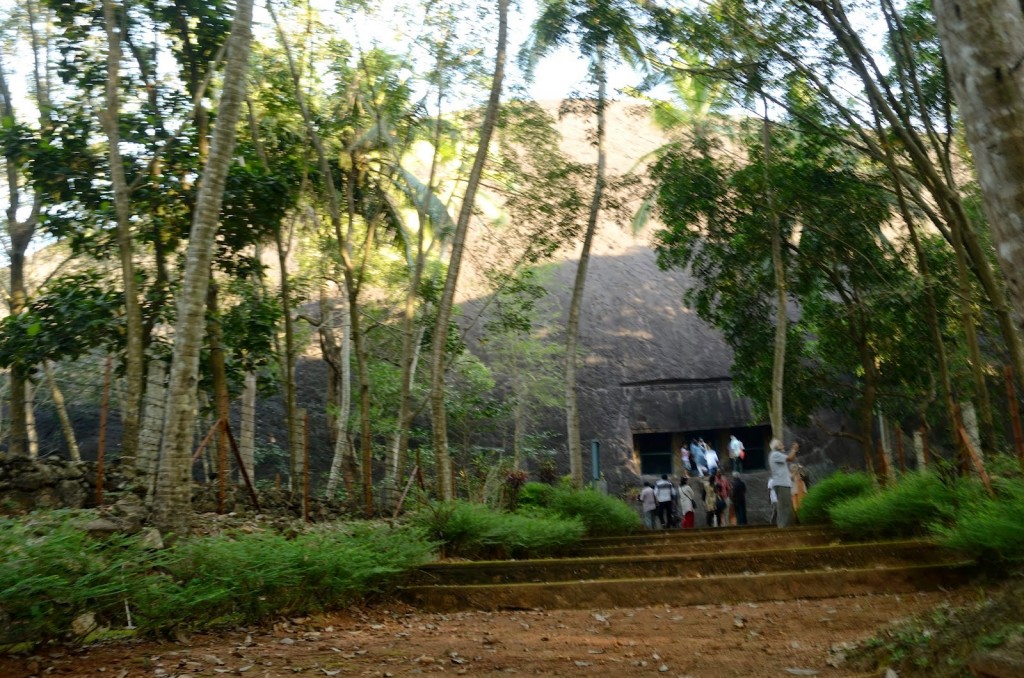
(703, 534)
(729, 540)
(730, 588)
(685, 566)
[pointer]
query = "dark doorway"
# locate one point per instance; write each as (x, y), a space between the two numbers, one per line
(655, 451)
(755, 441)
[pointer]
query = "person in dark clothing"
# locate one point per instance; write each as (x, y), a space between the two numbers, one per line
(739, 498)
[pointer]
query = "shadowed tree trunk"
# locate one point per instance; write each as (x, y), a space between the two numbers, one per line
(172, 502)
(20, 232)
(444, 308)
(982, 44)
(62, 413)
(572, 326)
(134, 357)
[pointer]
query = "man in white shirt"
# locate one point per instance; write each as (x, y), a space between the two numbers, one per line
(712, 459)
(649, 504)
(778, 464)
(774, 499)
(665, 492)
(735, 454)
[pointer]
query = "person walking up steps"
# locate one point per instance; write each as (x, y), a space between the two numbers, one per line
(665, 493)
(739, 498)
(736, 453)
(778, 464)
(687, 503)
(649, 505)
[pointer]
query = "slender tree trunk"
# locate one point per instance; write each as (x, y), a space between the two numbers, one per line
(134, 357)
(779, 271)
(968, 320)
(343, 466)
(982, 44)
(32, 433)
(572, 326)
(247, 428)
(219, 375)
(173, 492)
(20, 232)
(62, 413)
(288, 364)
(445, 304)
(153, 417)
(411, 339)
(932, 308)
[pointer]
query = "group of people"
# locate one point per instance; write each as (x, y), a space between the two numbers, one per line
(702, 460)
(724, 501)
(667, 505)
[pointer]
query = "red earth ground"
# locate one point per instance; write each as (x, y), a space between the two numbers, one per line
(752, 640)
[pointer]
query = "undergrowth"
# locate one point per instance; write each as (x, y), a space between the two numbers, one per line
(469, 530)
(989, 528)
(831, 491)
(904, 509)
(53, 573)
(601, 514)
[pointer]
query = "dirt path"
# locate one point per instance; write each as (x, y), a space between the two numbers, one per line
(750, 640)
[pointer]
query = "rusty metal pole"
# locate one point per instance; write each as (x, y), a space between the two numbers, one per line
(1011, 402)
(222, 464)
(102, 447)
(305, 465)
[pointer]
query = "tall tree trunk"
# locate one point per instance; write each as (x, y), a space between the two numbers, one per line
(982, 44)
(931, 307)
(247, 428)
(968, 320)
(152, 419)
(572, 326)
(32, 433)
(779, 272)
(351, 275)
(343, 463)
(173, 492)
(288, 364)
(445, 304)
(62, 413)
(20, 232)
(219, 377)
(133, 364)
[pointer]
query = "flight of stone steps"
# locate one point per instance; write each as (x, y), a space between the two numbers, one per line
(691, 567)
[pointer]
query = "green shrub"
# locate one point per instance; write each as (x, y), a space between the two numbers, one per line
(475, 531)
(903, 510)
(51, 572)
(248, 577)
(989, 529)
(535, 495)
(601, 515)
(834, 489)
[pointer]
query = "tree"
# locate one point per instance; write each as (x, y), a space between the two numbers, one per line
(24, 205)
(982, 48)
(446, 302)
(173, 492)
(134, 352)
(598, 26)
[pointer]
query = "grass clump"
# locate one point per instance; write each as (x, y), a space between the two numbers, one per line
(601, 514)
(905, 509)
(52, 573)
(831, 491)
(470, 530)
(990, 529)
